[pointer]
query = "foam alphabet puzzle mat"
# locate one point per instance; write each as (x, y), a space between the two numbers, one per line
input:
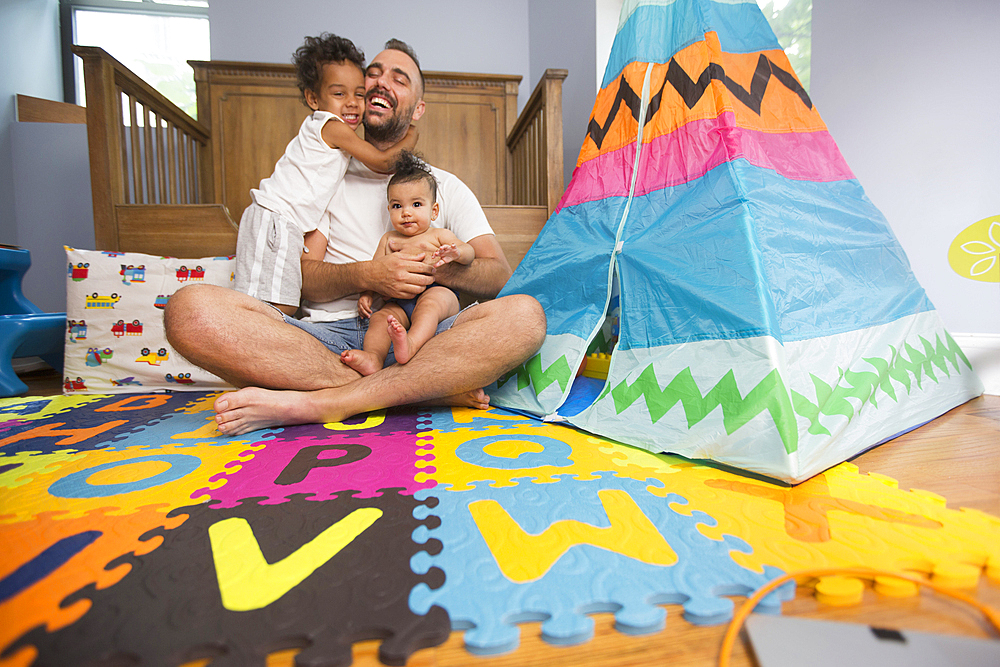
(133, 530)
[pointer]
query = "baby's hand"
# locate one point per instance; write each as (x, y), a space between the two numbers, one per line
(365, 305)
(447, 252)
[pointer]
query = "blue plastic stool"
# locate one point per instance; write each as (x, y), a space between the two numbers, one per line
(25, 331)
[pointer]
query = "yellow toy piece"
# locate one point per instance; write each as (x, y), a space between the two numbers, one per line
(596, 366)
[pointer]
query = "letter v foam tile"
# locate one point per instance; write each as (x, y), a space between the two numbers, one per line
(557, 552)
(234, 584)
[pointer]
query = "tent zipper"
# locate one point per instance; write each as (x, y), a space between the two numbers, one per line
(643, 109)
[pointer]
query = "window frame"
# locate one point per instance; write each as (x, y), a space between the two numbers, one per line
(66, 27)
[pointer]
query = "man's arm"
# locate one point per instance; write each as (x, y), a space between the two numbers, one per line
(487, 274)
(399, 276)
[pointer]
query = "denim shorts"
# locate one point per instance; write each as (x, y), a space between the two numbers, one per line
(349, 334)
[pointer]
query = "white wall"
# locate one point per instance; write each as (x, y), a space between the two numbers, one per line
(448, 35)
(911, 93)
(909, 90)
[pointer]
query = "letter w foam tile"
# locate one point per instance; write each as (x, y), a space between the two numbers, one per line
(557, 552)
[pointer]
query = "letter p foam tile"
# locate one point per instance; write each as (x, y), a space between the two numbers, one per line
(557, 552)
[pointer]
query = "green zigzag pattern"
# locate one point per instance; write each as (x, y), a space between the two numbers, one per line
(769, 394)
(862, 385)
(531, 373)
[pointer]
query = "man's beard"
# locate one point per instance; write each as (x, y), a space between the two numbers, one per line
(392, 131)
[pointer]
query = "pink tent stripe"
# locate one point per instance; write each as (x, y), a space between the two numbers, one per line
(696, 148)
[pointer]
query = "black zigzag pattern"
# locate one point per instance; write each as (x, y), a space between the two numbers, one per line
(691, 91)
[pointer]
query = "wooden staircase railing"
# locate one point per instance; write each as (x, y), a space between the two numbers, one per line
(143, 150)
(536, 145)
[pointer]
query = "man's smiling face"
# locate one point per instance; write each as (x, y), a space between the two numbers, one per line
(393, 96)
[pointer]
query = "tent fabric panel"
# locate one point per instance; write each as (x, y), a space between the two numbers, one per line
(698, 147)
(728, 400)
(567, 268)
(541, 384)
(701, 82)
(801, 260)
(654, 33)
(829, 256)
(687, 267)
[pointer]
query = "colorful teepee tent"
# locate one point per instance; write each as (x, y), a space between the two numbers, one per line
(767, 318)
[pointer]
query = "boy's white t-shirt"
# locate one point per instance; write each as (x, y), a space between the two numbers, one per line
(358, 216)
(305, 177)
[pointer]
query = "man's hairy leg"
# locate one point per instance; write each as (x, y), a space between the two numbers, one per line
(247, 343)
(486, 341)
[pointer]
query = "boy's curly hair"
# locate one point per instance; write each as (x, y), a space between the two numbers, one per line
(410, 167)
(316, 52)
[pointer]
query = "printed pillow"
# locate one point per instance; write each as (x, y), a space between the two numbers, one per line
(115, 343)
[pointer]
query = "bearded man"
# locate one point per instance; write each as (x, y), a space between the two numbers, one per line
(290, 370)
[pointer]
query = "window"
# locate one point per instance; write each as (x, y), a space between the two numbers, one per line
(791, 21)
(153, 38)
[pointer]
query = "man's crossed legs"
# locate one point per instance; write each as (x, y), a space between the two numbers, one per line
(248, 344)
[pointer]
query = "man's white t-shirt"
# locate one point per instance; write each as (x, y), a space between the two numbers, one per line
(358, 216)
(306, 176)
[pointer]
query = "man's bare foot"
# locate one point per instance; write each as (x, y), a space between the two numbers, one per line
(363, 362)
(253, 408)
(477, 398)
(400, 341)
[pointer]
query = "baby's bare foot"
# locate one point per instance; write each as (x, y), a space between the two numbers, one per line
(363, 362)
(477, 398)
(400, 341)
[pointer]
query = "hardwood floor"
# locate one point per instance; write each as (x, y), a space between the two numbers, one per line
(956, 456)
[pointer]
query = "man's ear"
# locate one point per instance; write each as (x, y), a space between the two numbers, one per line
(311, 99)
(418, 111)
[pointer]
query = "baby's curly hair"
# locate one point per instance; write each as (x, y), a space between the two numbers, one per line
(318, 51)
(410, 167)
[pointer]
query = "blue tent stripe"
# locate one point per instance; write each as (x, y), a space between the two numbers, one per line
(654, 33)
(741, 252)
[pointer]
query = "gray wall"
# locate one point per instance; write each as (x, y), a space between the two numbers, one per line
(909, 90)
(449, 35)
(41, 185)
(563, 35)
(29, 65)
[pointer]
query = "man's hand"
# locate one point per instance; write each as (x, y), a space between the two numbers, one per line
(399, 275)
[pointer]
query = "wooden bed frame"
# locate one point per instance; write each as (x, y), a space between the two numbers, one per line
(164, 183)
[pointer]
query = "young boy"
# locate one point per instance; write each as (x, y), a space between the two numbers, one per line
(291, 202)
(406, 325)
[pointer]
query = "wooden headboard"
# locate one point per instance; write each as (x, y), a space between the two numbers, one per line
(253, 109)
